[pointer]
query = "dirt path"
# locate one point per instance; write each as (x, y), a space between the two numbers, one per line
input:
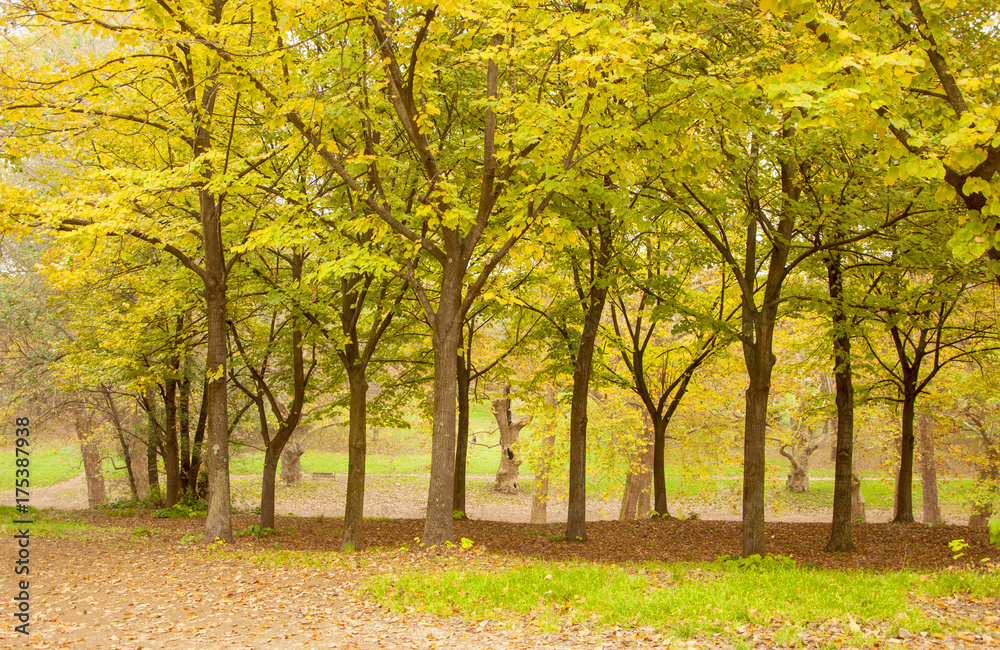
(67, 495)
(403, 496)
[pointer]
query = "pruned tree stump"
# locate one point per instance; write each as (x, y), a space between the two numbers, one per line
(291, 463)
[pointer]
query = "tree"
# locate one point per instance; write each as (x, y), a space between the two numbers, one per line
(467, 210)
(665, 331)
(917, 307)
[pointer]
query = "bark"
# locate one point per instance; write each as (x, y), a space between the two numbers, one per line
(857, 507)
(753, 454)
(462, 444)
(84, 421)
(291, 462)
(510, 429)
(798, 476)
(540, 492)
(288, 419)
(980, 518)
(928, 470)
(357, 452)
(184, 429)
(576, 523)
(197, 477)
(904, 485)
(218, 521)
(843, 376)
(635, 500)
(137, 452)
(171, 456)
(268, 485)
(137, 456)
(447, 337)
(757, 333)
(646, 485)
(152, 442)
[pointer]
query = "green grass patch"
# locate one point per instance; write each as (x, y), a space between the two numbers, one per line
(681, 598)
(46, 523)
(50, 464)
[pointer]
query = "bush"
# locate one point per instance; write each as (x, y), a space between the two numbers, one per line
(754, 563)
(178, 511)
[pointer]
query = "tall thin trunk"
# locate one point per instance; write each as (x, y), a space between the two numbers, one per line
(199, 438)
(152, 443)
(137, 453)
(357, 453)
(184, 427)
(904, 487)
(928, 469)
(543, 466)
(116, 421)
(171, 464)
(218, 521)
(843, 376)
(462, 444)
(576, 522)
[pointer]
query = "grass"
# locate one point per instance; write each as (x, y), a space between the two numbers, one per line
(45, 523)
(682, 598)
(50, 464)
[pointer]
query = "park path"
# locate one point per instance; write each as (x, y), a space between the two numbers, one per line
(66, 495)
(385, 497)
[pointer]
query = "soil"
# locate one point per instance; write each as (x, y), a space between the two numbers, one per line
(141, 582)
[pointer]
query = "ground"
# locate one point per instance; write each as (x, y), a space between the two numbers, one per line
(135, 581)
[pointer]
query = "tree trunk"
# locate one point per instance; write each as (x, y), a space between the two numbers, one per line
(635, 500)
(753, 456)
(798, 476)
(510, 429)
(928, 470)
(288, 419)
(843, 376)
(84, 421)
(447, 337)
(184, 428)
(119, 426)
(127, 456)
(576, 521)
(646, 483)
(152, 442)
(357, 453)
(218, 521)
(989, 475)
(857, 507)
(171, 457)
(462, 444)
(291, 462)
(268, 486)
(137, 453)
(198, 442)
(904, 486)
(540, 492)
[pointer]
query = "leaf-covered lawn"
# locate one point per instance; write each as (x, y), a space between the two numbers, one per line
(106, 581)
